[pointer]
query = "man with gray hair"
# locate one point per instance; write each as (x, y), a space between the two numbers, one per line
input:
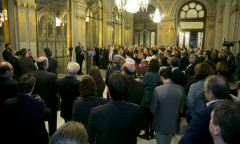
(80, 56)
(68, 89)
(193, 62)
(116, 66)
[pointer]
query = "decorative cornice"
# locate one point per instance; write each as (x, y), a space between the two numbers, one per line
(234, 9)
(127, 27)
(109, 23)
(211, 26)
(82, 17)
(220, 20)
(23, 5)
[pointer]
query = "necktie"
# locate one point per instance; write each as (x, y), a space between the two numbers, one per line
(110, 57)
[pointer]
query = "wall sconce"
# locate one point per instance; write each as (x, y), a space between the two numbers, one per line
(87, 19)
(1, 19)
(58, 22)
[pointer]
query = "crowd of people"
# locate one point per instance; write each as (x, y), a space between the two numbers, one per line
(147, 89)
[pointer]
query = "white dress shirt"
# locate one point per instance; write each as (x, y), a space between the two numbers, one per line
(130, 60)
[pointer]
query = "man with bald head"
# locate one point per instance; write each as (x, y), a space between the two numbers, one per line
(8, 86)
(80, 56)
(46, 88)
(133, 95)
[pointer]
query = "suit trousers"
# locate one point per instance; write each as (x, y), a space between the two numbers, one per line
(163, 138)
(148, 121)
(52, 123)
(80, 64)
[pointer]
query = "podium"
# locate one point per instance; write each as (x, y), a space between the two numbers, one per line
(89, 60)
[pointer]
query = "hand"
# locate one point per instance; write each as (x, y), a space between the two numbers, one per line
(82, 52)
(38, 97)
(184, 72)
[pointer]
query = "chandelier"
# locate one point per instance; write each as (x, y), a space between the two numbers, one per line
(132, 6)
(156, 16)
(143, 4)
(121, 5)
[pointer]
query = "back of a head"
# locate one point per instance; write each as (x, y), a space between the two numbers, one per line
(48, 53)
(118, 85)
(164, 61)
(209, 62)
(25, 83)
(70, 133)
(174, 62)
(166, 73)
(136, 51)
(144, 55)
(183, 53)
(160, 55)
(129, 69)
(153, 65)
(117, 59)
(4, 67)
(23, 52)
(96, 74)
(168, 52)
(144, 63)
(42, 61)
(227, 117)
(221, 67)
(202, 71)
(18, 53)
(218, 85)
(88, 87)
(73, 68)
(208, 53)
(127, 53)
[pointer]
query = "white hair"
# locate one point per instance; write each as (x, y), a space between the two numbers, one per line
(73, 68)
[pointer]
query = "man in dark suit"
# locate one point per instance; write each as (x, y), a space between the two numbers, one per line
(14, 61)
(68, 89)
(193, 62)
(80, 56)
(46, 88)
(96, 57)
(178, 76)
(199, 53)
(183, 61)
(53, 64)
(207, 55)
(167, 101)
(8, 86)
(30, 55)
(103, 57)
(117, 122)
(7, 51)
(133, 95)
(116, 63)
(26, 63)
(26, 115)
(216, 89)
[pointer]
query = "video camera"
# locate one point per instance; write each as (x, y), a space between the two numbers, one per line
(228, 44)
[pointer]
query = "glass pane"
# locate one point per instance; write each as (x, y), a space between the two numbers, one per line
(59, 38)
(198, 7)
(185, 8)
(65, 33)
(145, 26)
(141, 37)
(191, 25)
(148, 38)
(194, 38)
(200, 39)
(51, 30)
(65, 5)
(2, 35)
(50, 3)
(59, 4)
(187, 38)
(137, 16)
(201, 14)
(182, 14)
(152, 38)
(192, 13)
(41, 2)
(42, 30)
(192, 5)
(181, 36)
(136, 38)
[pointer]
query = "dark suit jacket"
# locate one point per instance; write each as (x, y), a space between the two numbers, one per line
(135, 92)
(110, 71)
(46, 87)
(116, 122)
(26, 118)
(16, 65)
(8, 89)
(198, 132)
(81, 108)
(103, 52)
(222, 59)
(32, 59)
(190, 69)
(79, 56)
(68, 89)
(27, 65)
(108, 57)
(53, 65)
(100, 89)
(178, 77)
(230, 61)
(201, 59)
(96, 57)
(183, 63)
(7, 54)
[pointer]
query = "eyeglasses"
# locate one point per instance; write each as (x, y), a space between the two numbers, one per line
(11, 69)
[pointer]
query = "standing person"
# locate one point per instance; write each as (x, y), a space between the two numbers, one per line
(116, 67)
(7, 51)
(183, 61)
(26, 64)
(166, 104)
(53, 64)
(193, 62)
(68, 89)
(96, 75)
(110, 57)
(150, 82)
(178, 76)
(128, 57)
(80, 56)
(26, 115)
(117, 122)
(14, 61)
(96, 57)
(103, 57)
(30, 55)
(46, 88)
